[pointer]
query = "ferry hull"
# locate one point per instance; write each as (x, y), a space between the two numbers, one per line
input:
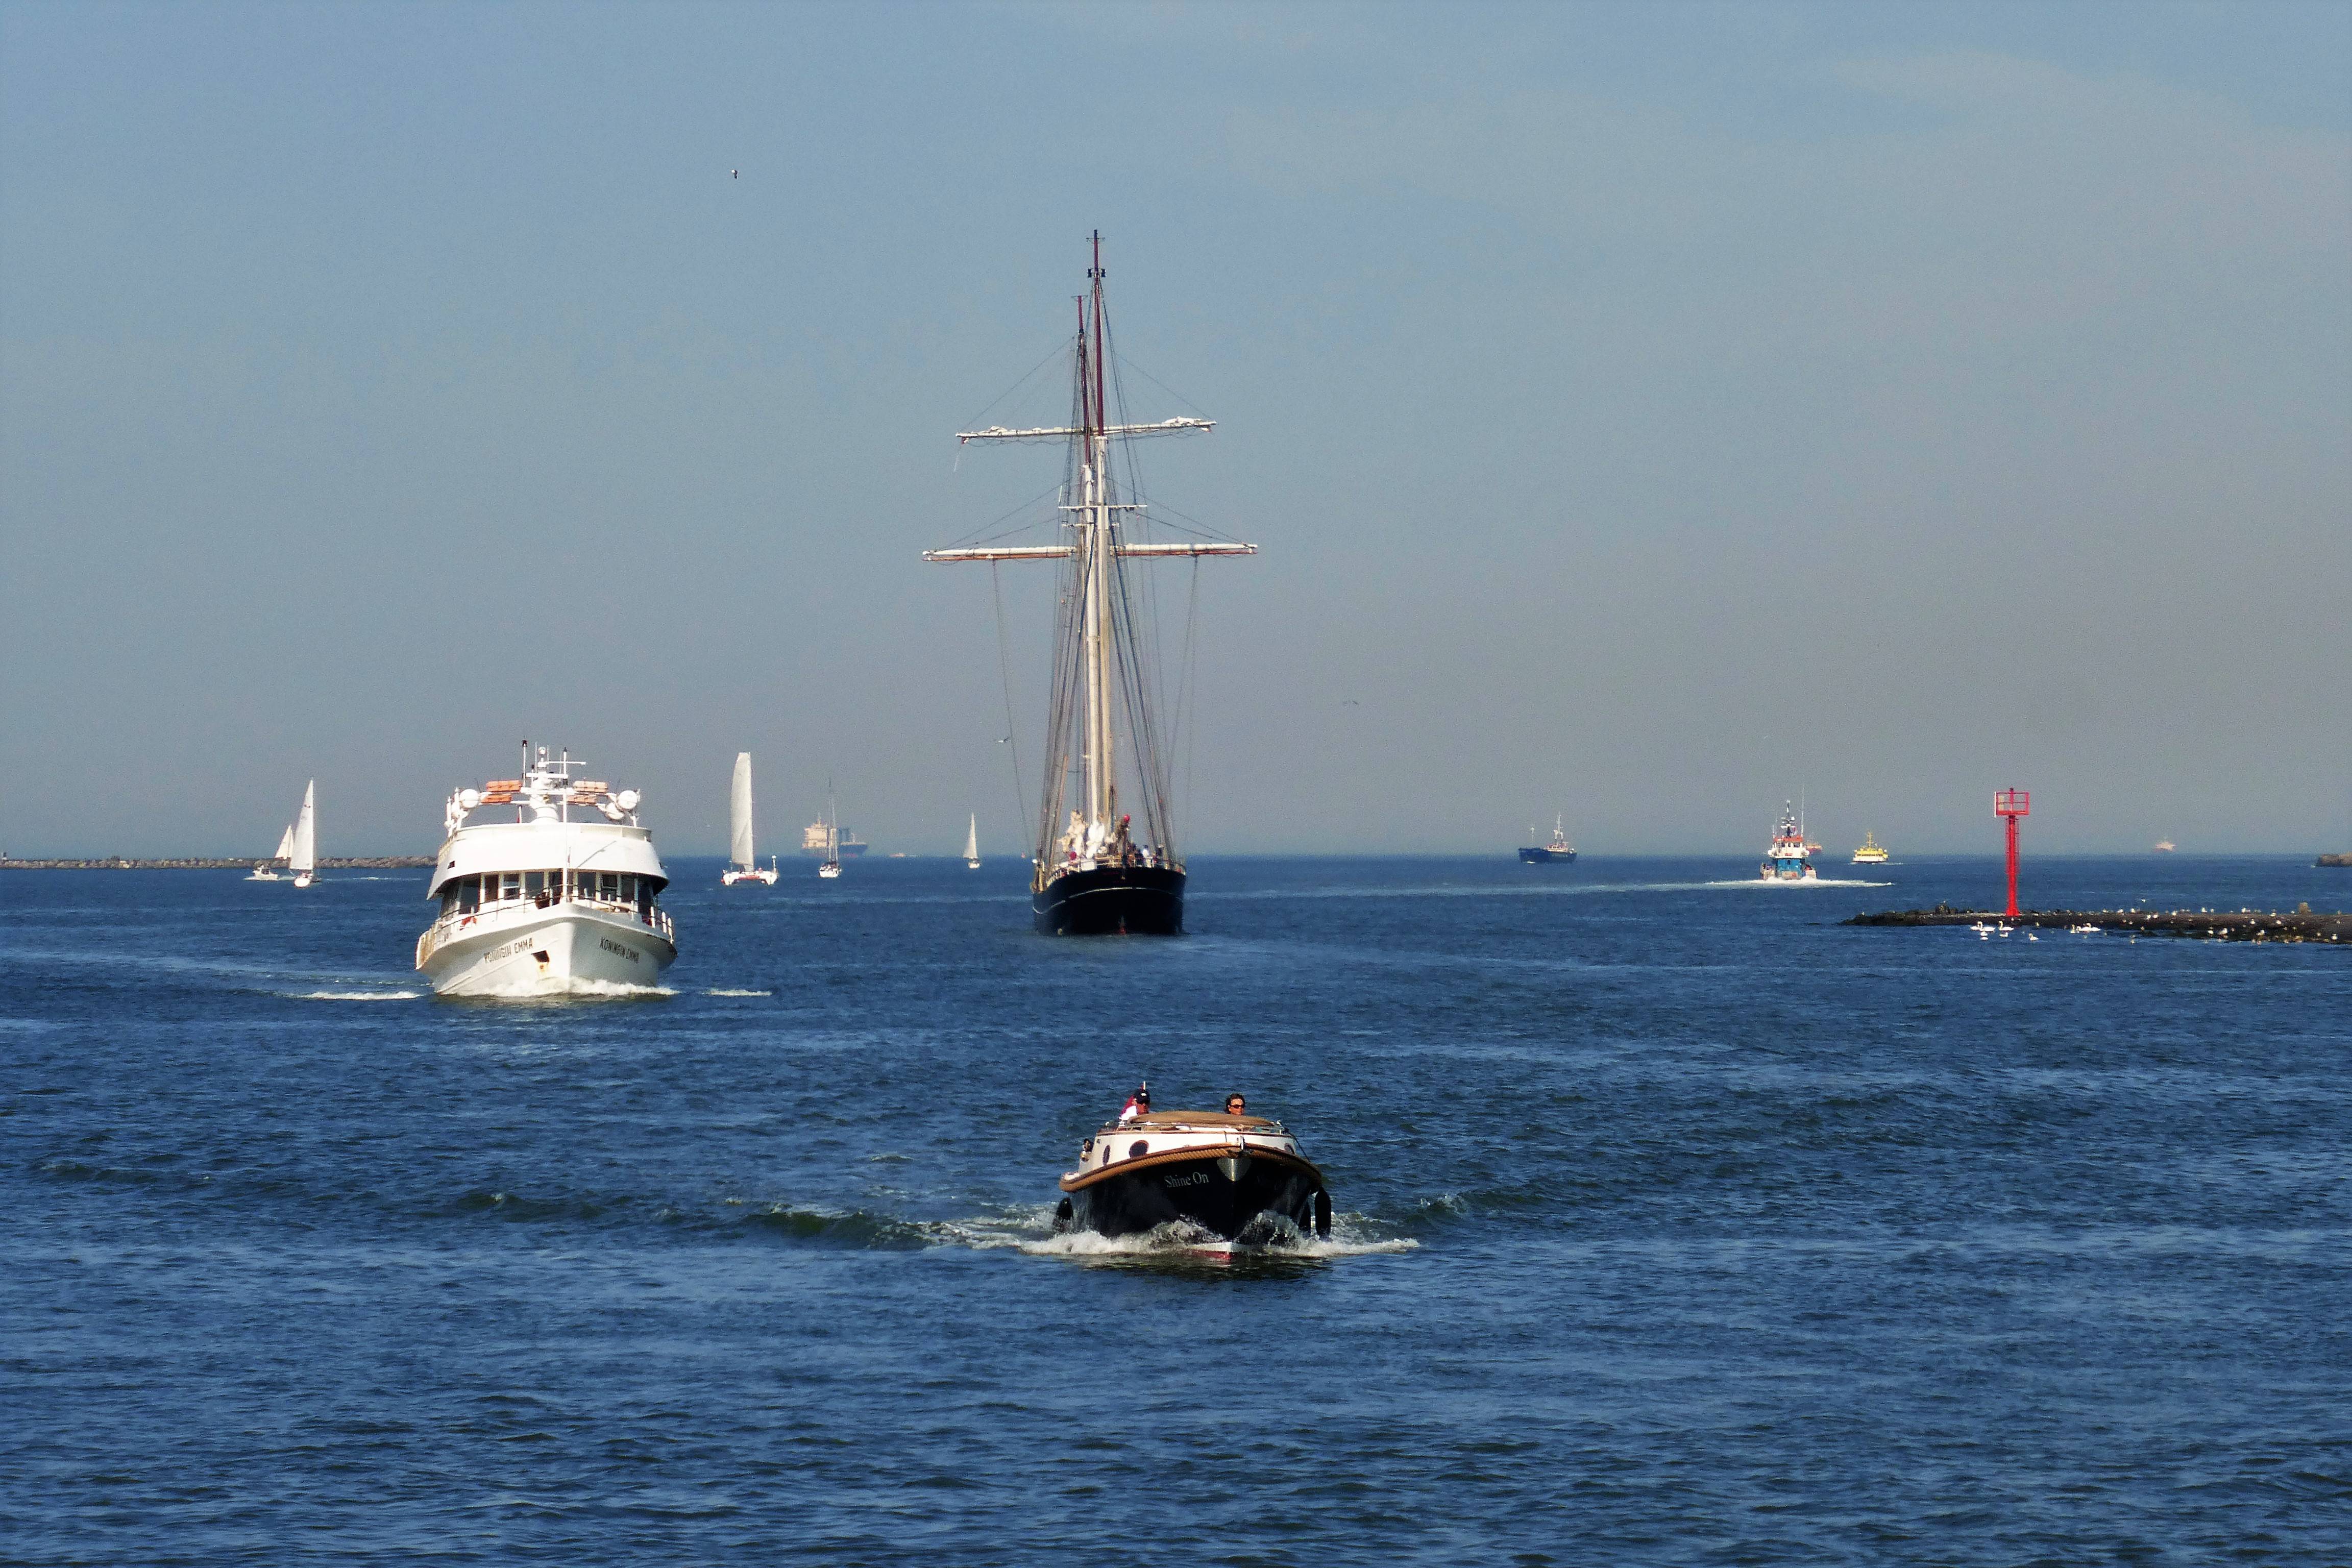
(1230, 1198)
(1538, 856)
(567, 953)
(1112, 901)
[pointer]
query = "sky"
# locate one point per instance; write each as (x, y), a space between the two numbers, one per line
(1646, 413)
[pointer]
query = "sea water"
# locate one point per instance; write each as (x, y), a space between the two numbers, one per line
(1677, 1223)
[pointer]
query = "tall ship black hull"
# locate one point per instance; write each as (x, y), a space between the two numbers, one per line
(1112, 901)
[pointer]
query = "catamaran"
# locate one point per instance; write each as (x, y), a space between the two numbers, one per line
(302, 854)
(1098, 871)
(742, 866)
(546, 904)
(972, 843)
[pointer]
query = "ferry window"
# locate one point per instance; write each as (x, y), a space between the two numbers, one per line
(513, 889)
(534, 883)
(469, 894)
(628, 894)
(608, 885)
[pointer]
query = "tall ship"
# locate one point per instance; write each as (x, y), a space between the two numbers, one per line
(742, 863)
(1559, 850)
(1790, 857)
(1105, 859)
(536, 901)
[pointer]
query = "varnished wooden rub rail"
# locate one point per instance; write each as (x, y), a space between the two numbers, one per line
(2226, 925)
(239, 863)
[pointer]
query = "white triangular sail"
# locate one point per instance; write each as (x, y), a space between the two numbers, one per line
(302, 854)
(971, 841)
(739, 816)
(285, 844)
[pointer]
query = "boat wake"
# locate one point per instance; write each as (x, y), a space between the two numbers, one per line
(1178, 1242)
(726, 991)
(355, 996)
(1807, 882)
(575, 989)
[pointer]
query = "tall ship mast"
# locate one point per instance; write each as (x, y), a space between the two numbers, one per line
(1099, 871)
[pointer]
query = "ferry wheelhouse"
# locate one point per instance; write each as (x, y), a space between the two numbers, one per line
(558, 898)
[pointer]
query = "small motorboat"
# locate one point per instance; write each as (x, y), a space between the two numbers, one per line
(1239, 1178)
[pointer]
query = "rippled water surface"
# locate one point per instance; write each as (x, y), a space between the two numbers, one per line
(1678, 1224)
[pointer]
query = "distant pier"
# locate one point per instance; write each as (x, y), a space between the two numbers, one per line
(2334, 860)
(2221, 925)
(201, 863)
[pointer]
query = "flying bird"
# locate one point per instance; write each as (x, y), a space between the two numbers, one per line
(734, 173)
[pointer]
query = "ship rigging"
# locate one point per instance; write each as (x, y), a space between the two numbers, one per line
(1096, 870)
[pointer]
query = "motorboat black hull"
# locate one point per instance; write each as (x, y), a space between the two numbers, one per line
(1112, 901)
(1235, 1199)
(1539, 856)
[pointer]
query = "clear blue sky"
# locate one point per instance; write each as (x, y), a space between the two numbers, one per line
(1644, 411)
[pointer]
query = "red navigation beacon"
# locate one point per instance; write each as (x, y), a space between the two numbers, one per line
(2010, 805)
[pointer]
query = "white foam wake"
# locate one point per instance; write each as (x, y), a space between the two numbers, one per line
(1810, 882)
(533, 990)
(1178, 1242)
(726, 991)
(356, 995)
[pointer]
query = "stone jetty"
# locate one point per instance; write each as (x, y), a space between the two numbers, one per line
(2223, 925)
(2334, 860)
(205, 863)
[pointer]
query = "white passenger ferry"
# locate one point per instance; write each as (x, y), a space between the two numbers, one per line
(545, 904)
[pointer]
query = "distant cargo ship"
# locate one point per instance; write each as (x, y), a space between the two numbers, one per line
(1559, 850)
(813, 840)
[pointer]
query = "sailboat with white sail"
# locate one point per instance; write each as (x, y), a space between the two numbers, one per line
(1098, 870)
(972, 843)
(302, 854)
(830, 868)
(266, 870)
(742, 866)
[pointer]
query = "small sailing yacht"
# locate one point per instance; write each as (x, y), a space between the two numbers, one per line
(972, 843)
(266, 870)
(831, 867)
(742, 866)
(302, 856)
(1100, 869)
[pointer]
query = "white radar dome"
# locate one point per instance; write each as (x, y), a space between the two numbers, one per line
(469, 798)
(627, 799)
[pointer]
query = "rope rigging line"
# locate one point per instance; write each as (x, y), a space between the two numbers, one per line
(1057, 351)
(1005, 667)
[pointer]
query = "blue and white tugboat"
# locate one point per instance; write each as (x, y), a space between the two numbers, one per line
(1790, 857)
(1239, 1178)
(1106, 861)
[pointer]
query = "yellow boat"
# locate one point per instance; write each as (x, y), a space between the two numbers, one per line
(1870, 854)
